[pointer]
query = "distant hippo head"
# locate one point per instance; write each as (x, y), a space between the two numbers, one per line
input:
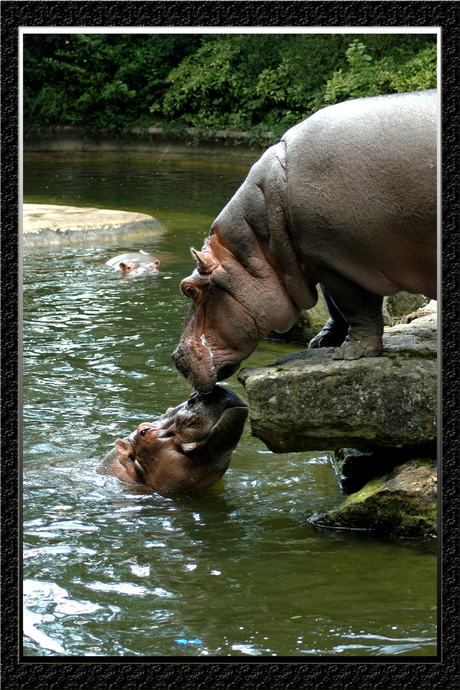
(134, 267)
(134, 263)
(187, 448)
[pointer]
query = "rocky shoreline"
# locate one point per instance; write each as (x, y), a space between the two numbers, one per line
(377, 416)
(151, 144)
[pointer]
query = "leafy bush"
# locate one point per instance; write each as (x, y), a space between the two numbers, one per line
(251, 82)
(98, 81)
(367, 77)
(246, 82)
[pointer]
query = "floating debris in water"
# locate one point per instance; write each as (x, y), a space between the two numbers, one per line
(183, 640)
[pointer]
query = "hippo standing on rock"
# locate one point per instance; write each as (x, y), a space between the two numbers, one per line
(188, 448)
(346, 200)
(134, 263)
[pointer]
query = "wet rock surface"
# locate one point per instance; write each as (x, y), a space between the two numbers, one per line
(45, 224)
(402, 503)
(355, 467)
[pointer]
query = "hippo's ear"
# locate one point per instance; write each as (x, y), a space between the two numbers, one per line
(155, 265)
(127, 267)
(123, 447)
(206, 263)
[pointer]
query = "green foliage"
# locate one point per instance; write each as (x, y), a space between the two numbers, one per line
(251, 82)
(98, 81)
(364, 76)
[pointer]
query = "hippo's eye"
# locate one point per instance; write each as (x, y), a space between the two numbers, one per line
(190, 292)
(143, 432)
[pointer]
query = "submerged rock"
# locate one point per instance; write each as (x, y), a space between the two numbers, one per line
(307, 401)
(45, 224)
(402, 503)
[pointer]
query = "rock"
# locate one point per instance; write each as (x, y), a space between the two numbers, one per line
(307, 401)
(355, 467)
(45, 224)
(396, 307)
(402, 503)
(430, 309)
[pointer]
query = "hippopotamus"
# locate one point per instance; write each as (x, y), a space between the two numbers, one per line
(134, 263)
(347, 201)
(187, 448)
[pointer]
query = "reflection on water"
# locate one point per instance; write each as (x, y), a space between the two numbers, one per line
(233, 570)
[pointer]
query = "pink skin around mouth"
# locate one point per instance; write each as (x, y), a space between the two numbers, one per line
(211, 479)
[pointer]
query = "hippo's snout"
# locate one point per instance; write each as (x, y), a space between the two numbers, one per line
(201, 377)
(179, 361)
(181, 364)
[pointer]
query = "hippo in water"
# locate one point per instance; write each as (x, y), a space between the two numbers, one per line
(347, 200)
(188, 448)
(134, 263)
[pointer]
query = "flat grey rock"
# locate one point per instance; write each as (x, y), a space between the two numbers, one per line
(45, 224)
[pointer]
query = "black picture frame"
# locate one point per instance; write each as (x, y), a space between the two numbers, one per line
(117, 674)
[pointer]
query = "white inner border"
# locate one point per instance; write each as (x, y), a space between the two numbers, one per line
(237, 30)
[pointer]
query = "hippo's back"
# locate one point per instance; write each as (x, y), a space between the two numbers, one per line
(361, 183)
(136, 257)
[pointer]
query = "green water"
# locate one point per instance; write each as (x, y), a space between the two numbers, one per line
(235, 570)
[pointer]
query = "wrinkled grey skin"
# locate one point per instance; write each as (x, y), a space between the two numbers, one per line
(187, 448)
(347, 200)
(134, 263)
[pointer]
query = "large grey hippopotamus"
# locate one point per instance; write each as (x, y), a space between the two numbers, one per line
(134, 263)
(188, 448)
(346, 200)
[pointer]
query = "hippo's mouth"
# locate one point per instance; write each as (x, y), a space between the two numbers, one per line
(234, 410)
(218, 444)
(203, 378)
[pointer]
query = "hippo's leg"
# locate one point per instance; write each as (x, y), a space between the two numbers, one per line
(334, 330)
(362, 310)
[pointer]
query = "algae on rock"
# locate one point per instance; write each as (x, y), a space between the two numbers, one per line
(402, 503)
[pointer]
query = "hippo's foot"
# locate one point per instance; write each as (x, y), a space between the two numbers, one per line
(355, 349)
(331, 334)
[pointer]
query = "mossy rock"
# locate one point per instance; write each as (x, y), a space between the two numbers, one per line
(402, 503)
(356, 467)
(397, 306)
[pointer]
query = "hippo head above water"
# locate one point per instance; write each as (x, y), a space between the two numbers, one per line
(134, 263)
(133, 268)
(187, 448)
